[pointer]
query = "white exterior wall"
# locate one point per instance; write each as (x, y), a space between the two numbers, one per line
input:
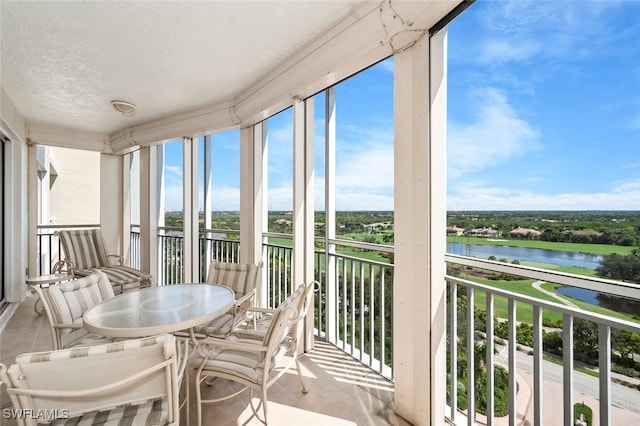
(75, 194)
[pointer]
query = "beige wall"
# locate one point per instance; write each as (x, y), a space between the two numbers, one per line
(75, 193)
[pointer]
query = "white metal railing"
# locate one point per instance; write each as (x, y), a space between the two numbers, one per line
(605, 324)
(353, 302)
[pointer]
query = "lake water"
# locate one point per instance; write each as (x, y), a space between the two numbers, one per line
(555, 257)
(564, 258)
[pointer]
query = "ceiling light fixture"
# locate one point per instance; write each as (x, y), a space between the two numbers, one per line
(124, 108)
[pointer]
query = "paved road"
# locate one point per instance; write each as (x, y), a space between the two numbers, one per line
(621, 396)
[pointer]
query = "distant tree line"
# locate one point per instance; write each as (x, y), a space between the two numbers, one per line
(616, 228)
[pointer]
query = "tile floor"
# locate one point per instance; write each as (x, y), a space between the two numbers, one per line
(341, 390)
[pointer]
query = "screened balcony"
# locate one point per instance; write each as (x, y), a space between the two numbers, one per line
(382, 341)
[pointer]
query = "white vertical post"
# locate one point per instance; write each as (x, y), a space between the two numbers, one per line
(567, 368)
(32, 211)
(190, 209)
(471, 362)
(420, 215)
(604, 367)
(111, 208)
(331, 308)
(453, 349)
(309, 215)
(297, 267)
(251, 202)
(537, 366)
(208, 179)
(149, 211)
(490, 360)
(160, 209)
(127, 200)
(513, 379)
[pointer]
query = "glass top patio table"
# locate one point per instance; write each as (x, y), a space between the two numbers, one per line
(156, 310)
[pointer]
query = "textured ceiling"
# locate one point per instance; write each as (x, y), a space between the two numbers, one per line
(63, 62)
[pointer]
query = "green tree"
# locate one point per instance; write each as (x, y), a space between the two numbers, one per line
(619, 267)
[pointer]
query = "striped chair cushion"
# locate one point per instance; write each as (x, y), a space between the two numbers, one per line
(154, 412)
(218, 327)
(119, 275)
(85, 248)
(78, 352)
(240, 277)
(71, 299)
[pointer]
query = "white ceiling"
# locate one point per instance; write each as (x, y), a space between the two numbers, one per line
(63, 62)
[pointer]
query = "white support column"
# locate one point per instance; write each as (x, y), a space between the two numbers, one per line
(303, 244)
(160, 209)
(190, 209)
(128, 169)
(331, 304)
(420, 216)
(299, 187)
(149, 211)
(32, 211)
(17, 226)
(251, 201)
(309, 214)
(111, 207)
(208, 178)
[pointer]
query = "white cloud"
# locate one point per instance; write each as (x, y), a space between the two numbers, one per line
(366, 167)
(173, 197)
(502, 51)
(625, 196)
(225, 199)
(496, 135)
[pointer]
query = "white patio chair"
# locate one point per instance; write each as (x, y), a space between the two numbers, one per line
(130, 382)
(66, 302)
(242, 278)
(254, 363)
(257, 320)
(86, 252)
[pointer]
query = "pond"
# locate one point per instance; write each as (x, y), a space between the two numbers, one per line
(615, 303)
(556, 257)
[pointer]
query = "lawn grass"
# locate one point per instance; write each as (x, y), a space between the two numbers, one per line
(597, 249)
(524, 313)
(580, 408)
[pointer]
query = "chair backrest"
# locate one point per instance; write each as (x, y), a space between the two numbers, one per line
(239, 277)
(66, 302)
(84, 248)
(293, 308)
(70, 382)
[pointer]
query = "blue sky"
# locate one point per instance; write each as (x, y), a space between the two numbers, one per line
(543, 114)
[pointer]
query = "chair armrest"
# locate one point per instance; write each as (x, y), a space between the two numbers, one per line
(67, 325)
(261, 310)
(215, 343)
(62, 266)
(119, 258)
(243, 303)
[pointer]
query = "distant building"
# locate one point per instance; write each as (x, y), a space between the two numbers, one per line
(454, 230)
(524, 233)
(484, 232)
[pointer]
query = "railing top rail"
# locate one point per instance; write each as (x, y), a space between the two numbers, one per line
(359, 244)
(68, 226)
(601, 285)
(358, 259)
(576, 312)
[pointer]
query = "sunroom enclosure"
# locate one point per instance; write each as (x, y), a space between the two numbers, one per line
(412, 320)
(420, 127)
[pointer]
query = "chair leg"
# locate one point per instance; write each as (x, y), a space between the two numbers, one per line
(264, 403)
(304, 388)
(198, 397)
